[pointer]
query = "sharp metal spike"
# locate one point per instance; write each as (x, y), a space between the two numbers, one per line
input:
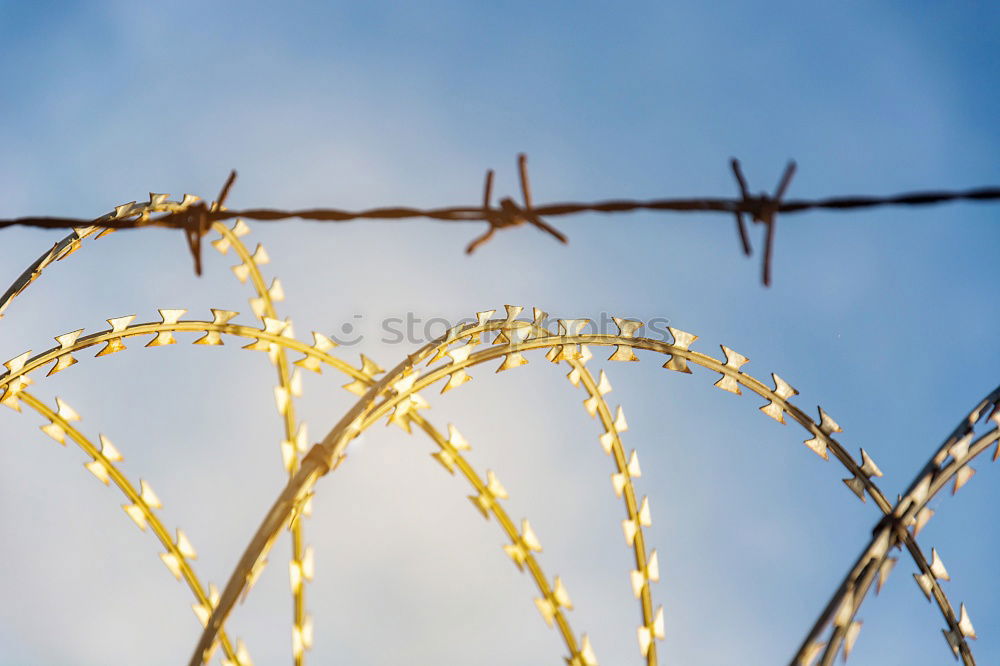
(953, 641)
(528, 537)
(620, 424)
(587, 657)
(965, 624)
(734, 361)
(55, 431)
(645, 519)
(289, 459)
(148, 496)
(184, 546)
(919, 493)
(135, 512)
(818, 445)
(937, 566)
(638, 581)
(626, 328)
(682, 341)
(511, 361)
(963, 476)
(868, 465)
(494, 486)
(446, 459)
(455, 380)
(846, 609)
(851, 637)
(239, 228)
(883, 572)
(653, 567)
(66, 340)
(66, 412)
(16, 364)
(513, 311)
(118, 325)
(629, 528)
(109, 451)
(604, 384)
(645, 637)
(618, 481)
(826, 424)
(633, 465)
(607, 440)
(810, 654)
(548, 610)
(924, 581)
(241, 271)
(857, 486)
(923, 516)
(260, 256)
(658, 630)
(171, 316)
(173, 563)
(456, 439)
(309, 563)
(222, 245)
(276, 292)
(202, 613)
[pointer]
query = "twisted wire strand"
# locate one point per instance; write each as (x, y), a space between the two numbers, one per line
(194, 218)
(326, 455)
(179, 551)
(477, 214)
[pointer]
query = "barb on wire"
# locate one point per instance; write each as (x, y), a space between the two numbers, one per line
(764, 210)
(196, 224)
(510, 214)
(196, 218)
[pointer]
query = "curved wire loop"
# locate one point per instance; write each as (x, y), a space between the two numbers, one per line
(910, 514)
(396, 388)
(549, 604)
(404, 411)
(141, 508)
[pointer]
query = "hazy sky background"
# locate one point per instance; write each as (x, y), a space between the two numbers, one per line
(887, 318)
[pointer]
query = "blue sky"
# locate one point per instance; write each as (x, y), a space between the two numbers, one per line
(887, 318)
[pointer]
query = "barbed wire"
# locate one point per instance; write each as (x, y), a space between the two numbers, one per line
(195, 217)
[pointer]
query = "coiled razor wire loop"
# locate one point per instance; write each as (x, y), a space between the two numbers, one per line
(395, 396)
(403, 382)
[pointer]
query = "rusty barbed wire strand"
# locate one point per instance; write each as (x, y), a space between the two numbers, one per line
(195, 217)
